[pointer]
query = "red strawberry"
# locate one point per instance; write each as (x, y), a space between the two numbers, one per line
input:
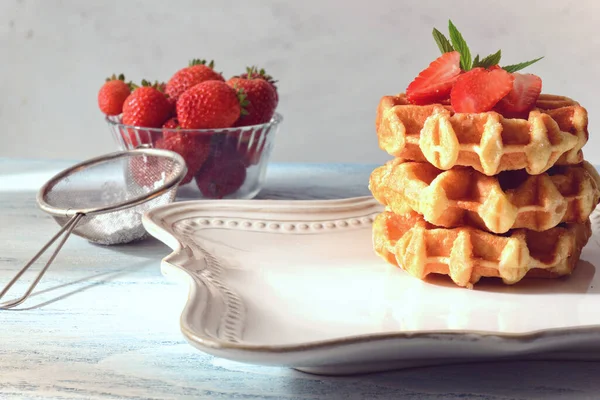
(136, 137)
(194, 149)
(224, 172)
(435, 82)
(221, 177)
(255, 73)
(171, 124)
(185, 78)
(162, 87)
(478, 90)
(147, 106)
(261, 100)
(208, 105)
(521, 99)
(224, 147)
(145, 171)
(252, 152)
(112, 95)
(171, 127)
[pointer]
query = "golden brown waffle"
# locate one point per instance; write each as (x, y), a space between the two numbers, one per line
(463, 196)
(555, 132)
(466, 254)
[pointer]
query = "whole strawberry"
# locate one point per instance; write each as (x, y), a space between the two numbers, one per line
(170, 128)
(145, 171)
(194, 149)
(209, 105)
(252, 151)
(224, 172)
(134, 137)
(255, 73)
(220, 178)
(197, 72)
(171, 124)
(112, 95)
(261, 99)
(146, 106)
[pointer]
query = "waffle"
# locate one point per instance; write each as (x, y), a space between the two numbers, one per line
(463, 196)
(554, 133)
(467, 254)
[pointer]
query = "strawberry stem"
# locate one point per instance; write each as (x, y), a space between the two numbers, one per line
(145, 83)
(254, 73)
(242, 98)
(198, 61)
(121, 77)
(114, 77)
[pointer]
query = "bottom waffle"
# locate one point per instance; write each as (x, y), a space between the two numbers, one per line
(467, 254)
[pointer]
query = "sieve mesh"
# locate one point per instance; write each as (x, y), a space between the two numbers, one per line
(109, 184)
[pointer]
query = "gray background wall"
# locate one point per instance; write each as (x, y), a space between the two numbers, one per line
(334, 59)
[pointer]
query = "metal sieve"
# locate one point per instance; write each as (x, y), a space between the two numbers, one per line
(103, 200)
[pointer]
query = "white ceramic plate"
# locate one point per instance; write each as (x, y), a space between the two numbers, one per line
(296, 283)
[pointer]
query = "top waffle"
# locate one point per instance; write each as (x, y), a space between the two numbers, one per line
(554, 133)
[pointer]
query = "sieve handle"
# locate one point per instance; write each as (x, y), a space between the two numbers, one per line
(68, 227)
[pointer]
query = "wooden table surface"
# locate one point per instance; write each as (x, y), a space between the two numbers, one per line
(104, 323)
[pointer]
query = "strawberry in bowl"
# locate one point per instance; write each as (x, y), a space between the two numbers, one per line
(223, 129)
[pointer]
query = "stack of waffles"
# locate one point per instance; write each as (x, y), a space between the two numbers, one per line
(476, 194)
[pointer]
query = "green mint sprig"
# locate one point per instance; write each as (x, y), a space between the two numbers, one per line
(517, 67)
(443, 43)
(461, 46)
(458, 43)
(492, 59)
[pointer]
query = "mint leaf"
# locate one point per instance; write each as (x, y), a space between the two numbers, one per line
(476, 61)
(492, 59)
(520, 66)
(442, 42)
(459, 44)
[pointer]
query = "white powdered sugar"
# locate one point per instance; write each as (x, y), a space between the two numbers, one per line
(119, 227)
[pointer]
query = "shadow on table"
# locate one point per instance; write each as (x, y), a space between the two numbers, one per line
(580, 281)
(91, 280)
(509, 379)
(150, 248)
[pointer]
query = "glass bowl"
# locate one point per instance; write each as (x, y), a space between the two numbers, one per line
(228, 163)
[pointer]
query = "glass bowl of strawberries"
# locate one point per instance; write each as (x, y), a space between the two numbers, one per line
(224, 130)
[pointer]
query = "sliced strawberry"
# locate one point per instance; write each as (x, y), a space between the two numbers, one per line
(479, 90)
(435, 82)
(521, 99)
